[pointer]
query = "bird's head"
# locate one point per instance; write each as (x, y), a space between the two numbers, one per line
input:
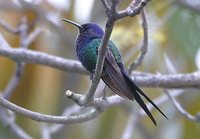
(88, 28)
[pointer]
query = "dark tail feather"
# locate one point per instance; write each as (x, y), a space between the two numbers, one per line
(144, 107)
(119, 81)
(136, 90)
(140, 92)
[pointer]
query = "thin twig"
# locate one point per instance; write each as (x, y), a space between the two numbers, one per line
(131, 124)
(106, 5)
(113, 9)
(3, 42)
(8, 27)
(132, 10)
(189, 5)
(159, 101)
(178, 106)
(8, 121)
(144, 46)
(10, 89)
(104, 91)
(97, 102)
(14, 81)
(25, 42)
(43, 14)
(32, 36)
(68, 111)
(135, 7)
(45, 132)
(23, 32)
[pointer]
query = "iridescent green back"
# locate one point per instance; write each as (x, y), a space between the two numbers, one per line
(89, 53)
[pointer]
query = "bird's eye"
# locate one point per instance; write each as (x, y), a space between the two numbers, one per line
(85, 27)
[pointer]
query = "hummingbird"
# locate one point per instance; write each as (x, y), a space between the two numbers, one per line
(114, 73)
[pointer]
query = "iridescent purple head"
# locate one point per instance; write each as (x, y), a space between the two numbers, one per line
(87, 32)
(91, 28)
(87, 29)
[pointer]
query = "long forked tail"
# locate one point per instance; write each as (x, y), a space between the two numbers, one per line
(137, 92)
(118, 80)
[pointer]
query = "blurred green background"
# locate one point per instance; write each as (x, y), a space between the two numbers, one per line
(174, 31)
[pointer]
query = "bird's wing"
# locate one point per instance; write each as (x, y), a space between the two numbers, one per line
(113, 77)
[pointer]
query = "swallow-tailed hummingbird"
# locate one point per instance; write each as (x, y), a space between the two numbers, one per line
(114, 73)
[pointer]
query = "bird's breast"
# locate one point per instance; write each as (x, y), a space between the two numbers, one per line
(88, 53)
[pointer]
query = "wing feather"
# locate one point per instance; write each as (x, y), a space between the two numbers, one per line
(113, 77)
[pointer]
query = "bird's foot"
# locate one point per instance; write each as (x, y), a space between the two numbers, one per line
(92, 76)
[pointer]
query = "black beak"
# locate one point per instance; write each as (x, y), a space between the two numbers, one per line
(73, 23)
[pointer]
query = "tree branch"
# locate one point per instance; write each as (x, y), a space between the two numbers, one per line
(144, 47)
(178, 106)
(159, 101)
(32, 36)
(131, 124)
(29, 56)
(106, 5)
(3, 43)
(8, 27)
(101, 56)
(189, 80)
(48, 118)
(45, 132)
(72, 110)
(133, 9)
(189, 5)
(99, 103)
(14, 81)
(25, 41)
(9, 122)
(22, 31)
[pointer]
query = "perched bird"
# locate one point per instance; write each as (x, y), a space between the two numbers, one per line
(114, 73)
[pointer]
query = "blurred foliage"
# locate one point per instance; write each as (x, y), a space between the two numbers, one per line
(5, 133)
(173, 31)
(185, 36)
